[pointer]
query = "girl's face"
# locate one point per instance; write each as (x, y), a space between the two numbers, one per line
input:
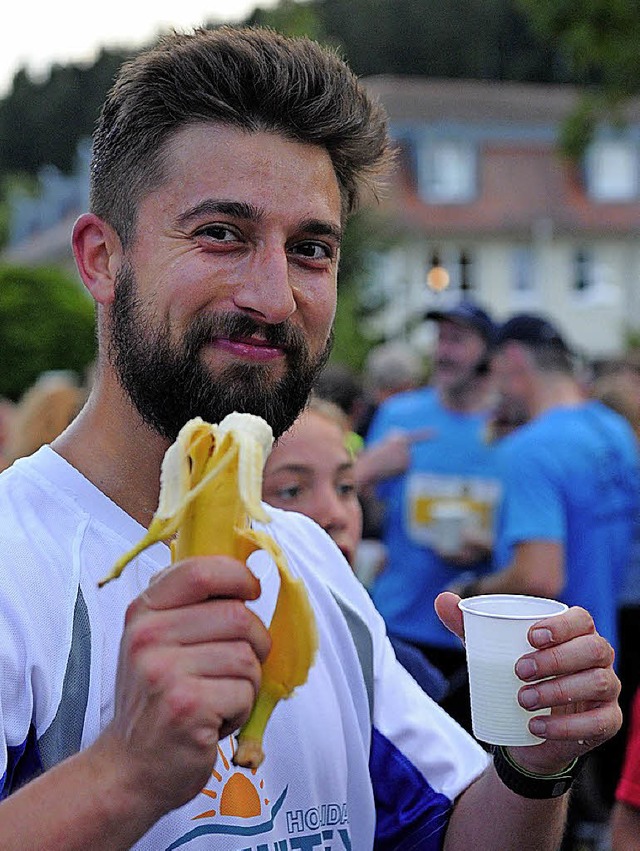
(310, 470)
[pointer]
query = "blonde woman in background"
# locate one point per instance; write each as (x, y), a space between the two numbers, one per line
(43, 413)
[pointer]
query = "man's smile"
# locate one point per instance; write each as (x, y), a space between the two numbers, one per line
(248, 348)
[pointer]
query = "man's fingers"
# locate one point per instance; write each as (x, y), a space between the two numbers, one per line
(590, 727)
(574, 622)
(596, 686)
(584, 653)
(203, 623)
(205, 711)
(233, 660)
(201, 578)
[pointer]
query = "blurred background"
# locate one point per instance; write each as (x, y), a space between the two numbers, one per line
(517, 124)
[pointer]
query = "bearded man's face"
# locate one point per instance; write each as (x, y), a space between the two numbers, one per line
(170, 383)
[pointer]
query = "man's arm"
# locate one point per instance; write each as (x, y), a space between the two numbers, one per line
(188, 673)
(571, 671)
(537, 568)
(387, 458)
(488, 816)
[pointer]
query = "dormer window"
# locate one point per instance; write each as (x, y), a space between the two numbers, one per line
(447, 172)
(612, 170)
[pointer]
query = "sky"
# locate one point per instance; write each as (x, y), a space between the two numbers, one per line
(38, 35)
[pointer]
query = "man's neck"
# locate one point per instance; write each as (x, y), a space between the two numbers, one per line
(113, 448)
(555, 390)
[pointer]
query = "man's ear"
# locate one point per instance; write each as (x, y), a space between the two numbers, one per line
(98, 252)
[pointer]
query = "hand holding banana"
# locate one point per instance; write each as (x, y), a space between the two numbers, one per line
(210, 491)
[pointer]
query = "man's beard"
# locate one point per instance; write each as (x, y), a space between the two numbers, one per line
(169, 384)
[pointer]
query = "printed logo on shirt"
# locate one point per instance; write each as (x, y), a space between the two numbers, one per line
(440, 509)
(243, 807)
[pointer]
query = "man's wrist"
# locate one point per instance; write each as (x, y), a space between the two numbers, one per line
(529, 784)
(469, 586)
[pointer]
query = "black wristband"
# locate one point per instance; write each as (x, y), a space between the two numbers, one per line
(530, 785)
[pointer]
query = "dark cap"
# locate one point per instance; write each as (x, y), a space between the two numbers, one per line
(469, 314)
(530, 328)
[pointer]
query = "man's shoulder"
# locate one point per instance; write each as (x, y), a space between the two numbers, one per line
(38, 523)
(27, 490)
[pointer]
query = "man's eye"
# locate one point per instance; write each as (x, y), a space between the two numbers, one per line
(219, 233)
(313, 250)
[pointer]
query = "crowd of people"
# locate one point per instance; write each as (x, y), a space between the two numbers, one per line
(225, 164)
(525, 458)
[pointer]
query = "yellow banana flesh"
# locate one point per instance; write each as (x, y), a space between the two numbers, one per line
(210, 492)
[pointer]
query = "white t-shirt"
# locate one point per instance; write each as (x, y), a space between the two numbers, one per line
(331, 767)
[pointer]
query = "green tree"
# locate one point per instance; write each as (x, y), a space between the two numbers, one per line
(291, 18)
(367, 232)
(46, 322)
(486, 39)
(41, 122)
(599, 39)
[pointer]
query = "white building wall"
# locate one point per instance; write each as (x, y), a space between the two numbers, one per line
(596, 321)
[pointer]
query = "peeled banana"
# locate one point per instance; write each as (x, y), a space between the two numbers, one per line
(210, 491)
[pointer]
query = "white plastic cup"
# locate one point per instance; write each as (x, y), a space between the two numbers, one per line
(448, 523)
(495, 629)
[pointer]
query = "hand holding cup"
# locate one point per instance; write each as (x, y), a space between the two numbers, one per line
(569, 671)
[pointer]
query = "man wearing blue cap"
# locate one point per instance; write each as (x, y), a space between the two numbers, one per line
(436, 475)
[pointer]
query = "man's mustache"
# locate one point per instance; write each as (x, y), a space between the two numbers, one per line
(207, 327)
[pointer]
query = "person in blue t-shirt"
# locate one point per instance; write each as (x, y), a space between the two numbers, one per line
(427, 453)
(565, 524)
(570, 480)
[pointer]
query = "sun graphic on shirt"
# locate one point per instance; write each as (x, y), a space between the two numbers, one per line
(239, 796)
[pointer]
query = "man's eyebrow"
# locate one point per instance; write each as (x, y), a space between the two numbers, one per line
(318, 227)
(249, 212)
(212, 207)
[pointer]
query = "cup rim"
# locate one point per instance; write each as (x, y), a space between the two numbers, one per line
(464, 606)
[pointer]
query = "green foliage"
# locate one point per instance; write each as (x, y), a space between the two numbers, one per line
(486, 39)
(367, 231)
(291, 18)
(350, 346)
(46, 322)
(41, 122)
(599, 39)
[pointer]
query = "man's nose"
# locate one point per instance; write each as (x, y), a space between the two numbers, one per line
(265, 290)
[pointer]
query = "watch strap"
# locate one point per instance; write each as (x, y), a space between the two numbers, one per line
(530, 785)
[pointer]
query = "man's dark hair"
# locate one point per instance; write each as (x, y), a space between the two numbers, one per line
(253, 79)
(548, 357)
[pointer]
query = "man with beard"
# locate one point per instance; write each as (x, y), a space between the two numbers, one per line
(225, 163)
(433, 467)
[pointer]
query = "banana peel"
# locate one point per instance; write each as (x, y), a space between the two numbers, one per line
(210, 492)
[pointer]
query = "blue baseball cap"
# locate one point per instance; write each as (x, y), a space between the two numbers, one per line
(531, 328)
(467, 313)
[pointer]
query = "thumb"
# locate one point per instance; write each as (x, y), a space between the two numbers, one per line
(446, 606)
